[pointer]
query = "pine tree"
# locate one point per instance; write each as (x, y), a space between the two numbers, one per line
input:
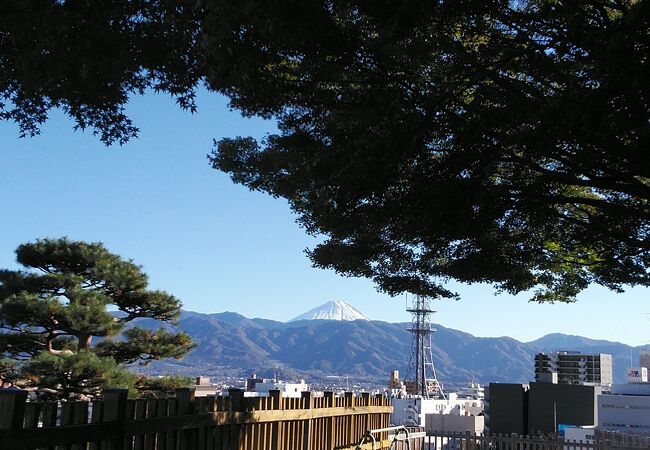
(69, 293)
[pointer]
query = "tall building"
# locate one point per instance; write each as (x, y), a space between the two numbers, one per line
(539, 407)
(573, 368)
(644, 359)
(506, 408)
(553, 405)
(394, 382)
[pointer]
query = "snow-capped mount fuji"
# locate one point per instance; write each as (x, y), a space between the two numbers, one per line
(332, 310)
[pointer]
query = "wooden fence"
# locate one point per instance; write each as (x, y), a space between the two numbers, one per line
(232, 422)
(439, 440)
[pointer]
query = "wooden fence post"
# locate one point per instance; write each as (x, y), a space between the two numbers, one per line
(12, 408)
(185, 397)
(306, 438)
(328, 439)
(115, 400)
(349, 399)
(236, 401)
(277, 441)
(366, 419)
(349, 429)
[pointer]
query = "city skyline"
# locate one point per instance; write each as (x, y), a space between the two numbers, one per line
(219, 247)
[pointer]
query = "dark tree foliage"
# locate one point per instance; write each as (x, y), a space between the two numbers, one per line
(161, 387)
(87, 56)
(468, 140)
(50, 312)
(483, 141)
(8, 373)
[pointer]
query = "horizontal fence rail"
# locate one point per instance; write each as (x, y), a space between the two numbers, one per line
(603, 440)
(233, 422)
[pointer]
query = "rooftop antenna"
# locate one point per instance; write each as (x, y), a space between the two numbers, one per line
(421, 361)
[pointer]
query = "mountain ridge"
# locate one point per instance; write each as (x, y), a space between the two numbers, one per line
(231, 344)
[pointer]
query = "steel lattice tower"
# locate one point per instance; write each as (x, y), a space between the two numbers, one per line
(421, 361)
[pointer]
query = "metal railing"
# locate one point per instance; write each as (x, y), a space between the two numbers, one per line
(603, 440)
(399, 438)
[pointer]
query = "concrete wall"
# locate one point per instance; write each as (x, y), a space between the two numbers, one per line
(606, 369)
(550, 405)
(453, 423)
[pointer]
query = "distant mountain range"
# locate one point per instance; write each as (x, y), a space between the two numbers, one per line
(231, 344)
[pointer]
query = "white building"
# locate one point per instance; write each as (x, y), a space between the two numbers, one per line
(625, 409)
(413, 411)
(473, 390)
(451, 423)
(204, 387)
(292, 390)
(579, 435)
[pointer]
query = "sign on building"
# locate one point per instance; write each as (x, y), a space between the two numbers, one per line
(637, 375)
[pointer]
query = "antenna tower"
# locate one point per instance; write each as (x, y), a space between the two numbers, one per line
(421, 361)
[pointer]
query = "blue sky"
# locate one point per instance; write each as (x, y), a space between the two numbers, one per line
(219, 247)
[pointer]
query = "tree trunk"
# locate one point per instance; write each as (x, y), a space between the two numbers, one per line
(52, 351)
(49, 347)
(84, 342)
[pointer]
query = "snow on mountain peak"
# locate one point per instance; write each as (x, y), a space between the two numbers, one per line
(332, 310)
